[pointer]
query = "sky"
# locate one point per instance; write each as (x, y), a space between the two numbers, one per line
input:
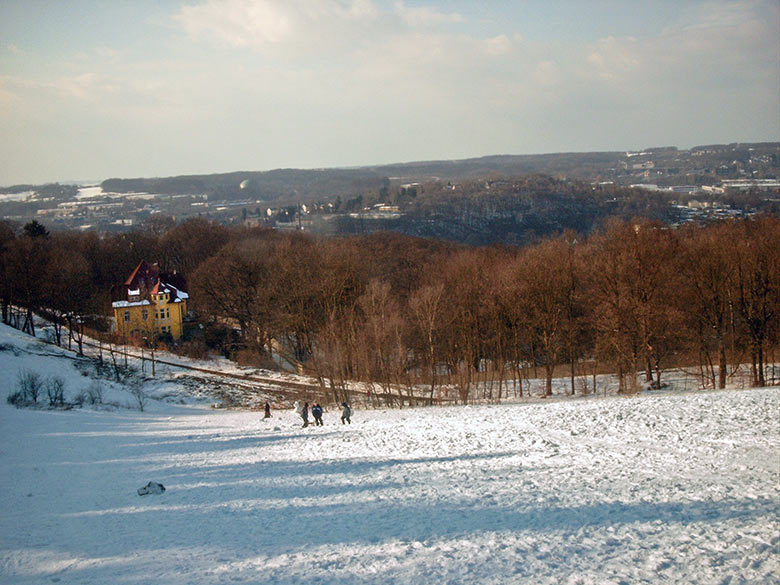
(141, 88)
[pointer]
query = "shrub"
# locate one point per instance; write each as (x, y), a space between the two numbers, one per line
(55, 389)
(29, 384)
(16, 398)
(94, 394)
(248, 357)
(195, 349)
(137, 391)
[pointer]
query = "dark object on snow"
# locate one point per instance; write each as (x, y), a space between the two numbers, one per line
(151, 488)
(346, 413)
(267, 410)
(316, 411)
(305, 415)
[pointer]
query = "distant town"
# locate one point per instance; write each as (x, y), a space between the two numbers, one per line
(501, 198)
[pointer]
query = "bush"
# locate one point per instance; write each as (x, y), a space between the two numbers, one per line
(55, 389)
(137, 391)
(29, 384)
(195, 349)
(249, 357)
(16, 398)
(94, 394)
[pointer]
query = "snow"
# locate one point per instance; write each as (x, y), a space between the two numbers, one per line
(122, 304)
(90, 192)
(657, 488)
(23, 196)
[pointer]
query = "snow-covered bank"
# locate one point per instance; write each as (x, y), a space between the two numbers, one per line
(650, 489)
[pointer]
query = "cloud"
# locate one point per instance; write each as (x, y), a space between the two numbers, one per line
(379, 54)
(425, 16)
(323, 82)
(261, 24)
(238, 23)
(737, 41)
(81, 87)
(547, 74)
(7, 96)
(308, 27)
(13, 49)
(613, 58)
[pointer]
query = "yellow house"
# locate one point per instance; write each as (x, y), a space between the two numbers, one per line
(150, 305)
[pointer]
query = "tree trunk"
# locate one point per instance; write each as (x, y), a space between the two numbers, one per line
(572, 376)
(722, 366)
(548, 380)
(29, 325)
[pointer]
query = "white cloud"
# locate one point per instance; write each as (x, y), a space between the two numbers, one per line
(547, 74)
(322, 82)
(237, 23)
(7, 96)
(81, 87)
(424, 16)
(107, 53)
(726, 40)
(498, 45)
(15, 50)
(261, 24)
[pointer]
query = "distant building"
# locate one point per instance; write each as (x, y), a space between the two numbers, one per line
(150, 304)
(747, 184)
(685, 189)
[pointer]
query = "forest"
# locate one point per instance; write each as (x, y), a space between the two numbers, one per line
(402, 314)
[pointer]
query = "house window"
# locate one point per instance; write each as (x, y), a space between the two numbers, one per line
(127, 316)
(144, 314)
(167, 313)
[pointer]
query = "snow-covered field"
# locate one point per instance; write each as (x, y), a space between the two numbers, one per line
(670, 488)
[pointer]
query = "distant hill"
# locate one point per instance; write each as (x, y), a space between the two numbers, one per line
(669, 166)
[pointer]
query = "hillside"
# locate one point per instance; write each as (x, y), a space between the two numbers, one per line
(668, 165)
(673, 487)
(506, 199)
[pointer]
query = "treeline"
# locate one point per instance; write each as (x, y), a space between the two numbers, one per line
(497, 210)
(401, 314)
(286, 185)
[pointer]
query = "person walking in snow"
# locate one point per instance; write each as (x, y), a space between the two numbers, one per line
(346, 412)
(305, 414)
(267, 410)
(316, 412)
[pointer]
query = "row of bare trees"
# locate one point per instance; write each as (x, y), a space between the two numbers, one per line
(402, 314)
(411, 317)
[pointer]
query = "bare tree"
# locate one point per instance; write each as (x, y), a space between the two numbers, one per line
(426, 307)
(757, 284)
(630, 267)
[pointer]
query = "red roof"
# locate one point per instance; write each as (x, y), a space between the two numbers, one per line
(144, 274)
(146, 279)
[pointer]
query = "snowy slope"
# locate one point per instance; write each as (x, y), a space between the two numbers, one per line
(652, 489)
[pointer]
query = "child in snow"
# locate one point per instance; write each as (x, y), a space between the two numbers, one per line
(267, 410)
(346, 412)
(305, 414)
(316, 412)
